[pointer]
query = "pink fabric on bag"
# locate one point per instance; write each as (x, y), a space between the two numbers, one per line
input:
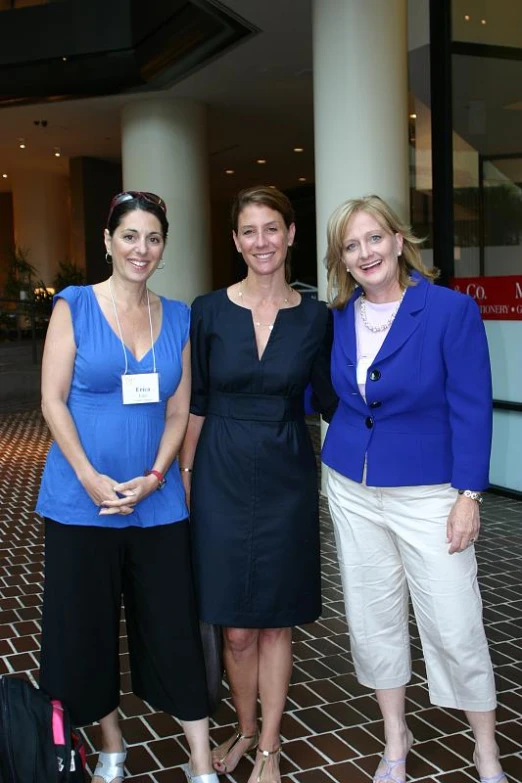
(58, 734)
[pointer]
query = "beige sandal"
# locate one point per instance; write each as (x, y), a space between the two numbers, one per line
(227, 747)
(266, 756)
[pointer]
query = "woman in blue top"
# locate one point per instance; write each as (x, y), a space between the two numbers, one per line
(408, 455)
(115, 394)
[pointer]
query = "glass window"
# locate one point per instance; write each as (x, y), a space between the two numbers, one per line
(487, 143)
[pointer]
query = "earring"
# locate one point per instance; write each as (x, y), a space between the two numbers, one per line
(108, 258)
(162, 266)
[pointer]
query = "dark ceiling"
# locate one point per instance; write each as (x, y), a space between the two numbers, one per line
(73, 49)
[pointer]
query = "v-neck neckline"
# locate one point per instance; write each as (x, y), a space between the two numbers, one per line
(253, 328)
(117, 336)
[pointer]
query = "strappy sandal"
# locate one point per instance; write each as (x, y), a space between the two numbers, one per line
(206, 777)
(110, 766)
(227, 747)
(261, 778)
(388, 773)
(390, 764)
(500, 778)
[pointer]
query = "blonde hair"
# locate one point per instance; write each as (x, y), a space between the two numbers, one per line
(342, 285)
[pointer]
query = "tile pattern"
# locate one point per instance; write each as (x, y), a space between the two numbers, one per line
(331, 729)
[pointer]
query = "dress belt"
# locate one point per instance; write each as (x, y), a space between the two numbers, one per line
(255, 407)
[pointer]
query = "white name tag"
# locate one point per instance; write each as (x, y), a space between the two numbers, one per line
(140, 388)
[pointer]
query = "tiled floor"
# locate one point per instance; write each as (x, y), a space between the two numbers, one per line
(331, 729)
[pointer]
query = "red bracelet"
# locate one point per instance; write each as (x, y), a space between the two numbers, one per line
(161, 478)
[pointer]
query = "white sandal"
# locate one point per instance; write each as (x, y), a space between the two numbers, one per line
(110, 766)
(206, 777)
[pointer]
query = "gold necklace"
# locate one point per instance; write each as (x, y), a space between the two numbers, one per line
(260, 324)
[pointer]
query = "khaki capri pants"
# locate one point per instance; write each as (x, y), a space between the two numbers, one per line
(391, 541)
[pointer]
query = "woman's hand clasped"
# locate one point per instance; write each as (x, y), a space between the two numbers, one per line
(128, 494)
(463, 525)
(115, 498)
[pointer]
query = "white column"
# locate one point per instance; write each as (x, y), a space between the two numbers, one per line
(41, 217)
(164, 150)
(360, 107)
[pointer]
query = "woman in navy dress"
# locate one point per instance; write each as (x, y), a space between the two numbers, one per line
(254, 500)
(115, 394)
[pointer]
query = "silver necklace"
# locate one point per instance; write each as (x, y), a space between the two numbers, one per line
(260, 324)
(386, 324)
(120, 332)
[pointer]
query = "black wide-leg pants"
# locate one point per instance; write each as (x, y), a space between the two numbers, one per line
(87, 571)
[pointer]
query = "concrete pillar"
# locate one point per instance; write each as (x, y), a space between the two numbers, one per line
(41, 212)
(164, 150)
(360, 107)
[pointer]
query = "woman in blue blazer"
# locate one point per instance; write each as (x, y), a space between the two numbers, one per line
(408, 455)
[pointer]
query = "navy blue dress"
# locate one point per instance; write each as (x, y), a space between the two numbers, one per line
(254, 502)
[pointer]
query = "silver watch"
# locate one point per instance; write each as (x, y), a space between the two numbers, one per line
(469, 493)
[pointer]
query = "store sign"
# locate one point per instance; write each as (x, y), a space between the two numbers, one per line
(499, 298)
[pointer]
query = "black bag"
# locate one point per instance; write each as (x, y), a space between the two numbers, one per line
(212, 640)
(37, 743)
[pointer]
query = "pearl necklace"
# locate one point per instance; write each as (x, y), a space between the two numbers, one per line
(260, 324)
(378, 327)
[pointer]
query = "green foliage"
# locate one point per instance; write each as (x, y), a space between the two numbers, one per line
(68, 274)
(31, 303)
(20, 274)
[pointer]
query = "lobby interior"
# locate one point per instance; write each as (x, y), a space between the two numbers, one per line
(249, 106)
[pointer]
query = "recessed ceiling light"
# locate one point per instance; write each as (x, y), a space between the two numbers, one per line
(467, 17)
(4, 176)
(229, 171)
(413, 116)
(298, 149)
(302, 179)
(64, 59)
(261, 161)
(482, 21)
(57, 152)
(21, 144)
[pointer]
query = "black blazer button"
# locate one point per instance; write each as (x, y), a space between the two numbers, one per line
(375, 404)
(375, 375)
(369, 422)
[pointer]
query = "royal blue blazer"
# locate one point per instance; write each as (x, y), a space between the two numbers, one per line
(427, 418)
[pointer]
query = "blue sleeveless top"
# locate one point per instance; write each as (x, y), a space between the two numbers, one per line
(119, 440)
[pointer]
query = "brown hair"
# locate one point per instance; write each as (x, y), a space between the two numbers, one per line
(271, 198)
(342, 285)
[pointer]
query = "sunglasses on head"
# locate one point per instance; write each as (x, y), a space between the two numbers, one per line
(128, 195)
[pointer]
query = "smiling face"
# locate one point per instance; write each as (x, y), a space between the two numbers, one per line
(263, 239)
(136, 245)
(370, 254)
